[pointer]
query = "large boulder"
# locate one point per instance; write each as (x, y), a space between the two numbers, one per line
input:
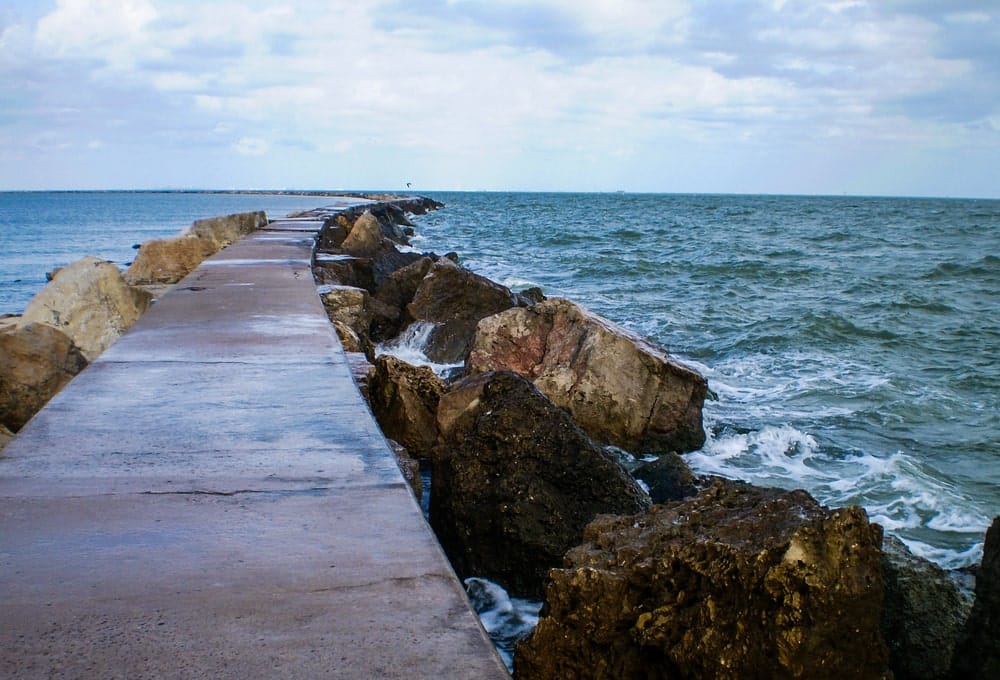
(977, 654)
(738, 582)
(515, 482)
(404, 400)
(621, 388)
(456, 300)
(90, 302)
(227, 229)
(36, 361)
(348, 305)
(922, 616)
(365, 237)
(396, 292)
(169, 260)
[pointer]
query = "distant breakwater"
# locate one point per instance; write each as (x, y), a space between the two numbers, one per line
(526, 462)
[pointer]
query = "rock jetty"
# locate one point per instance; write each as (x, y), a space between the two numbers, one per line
(720, 579)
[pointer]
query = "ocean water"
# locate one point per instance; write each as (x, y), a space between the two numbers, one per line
(43, 230)
(853, 343)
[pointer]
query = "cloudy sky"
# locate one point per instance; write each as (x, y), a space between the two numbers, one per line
(898, 97)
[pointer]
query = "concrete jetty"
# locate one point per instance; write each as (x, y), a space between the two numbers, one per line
(211, 498)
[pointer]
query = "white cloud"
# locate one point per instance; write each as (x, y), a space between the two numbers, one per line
(460, 85)
(251, 146)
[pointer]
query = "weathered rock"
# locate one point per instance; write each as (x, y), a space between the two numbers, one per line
(5, 437)
(922, 616)
(90, 302)
(404, 400)
(669, 478)
(456, 300)
(621, 388)
(515, 482)
(228, 228)
(396, 292)
(348, 305)
(169, 260)
(977, 654)
(364, 238)
(344, 270)
(36, 361)
(410, 467)
(351, 341)
(738, 582)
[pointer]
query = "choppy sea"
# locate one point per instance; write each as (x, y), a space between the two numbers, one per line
(853, 343)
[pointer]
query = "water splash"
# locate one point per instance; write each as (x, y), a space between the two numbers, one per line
(507, 620)
(410, 346)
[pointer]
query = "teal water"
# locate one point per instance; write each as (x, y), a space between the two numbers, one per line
(853, 343)
(42, 230)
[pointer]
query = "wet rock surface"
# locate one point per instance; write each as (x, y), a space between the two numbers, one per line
(516, 481)
(620, 388)
(738, 582)
(923, 614)
(669, 478)
(36, 361)
(456, 300)
(404, 401)
(977, 654)
(5, 436)
(90, 302)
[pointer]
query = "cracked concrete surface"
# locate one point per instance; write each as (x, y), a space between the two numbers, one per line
(211, 498)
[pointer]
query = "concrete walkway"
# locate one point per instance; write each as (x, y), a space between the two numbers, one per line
(212, 499)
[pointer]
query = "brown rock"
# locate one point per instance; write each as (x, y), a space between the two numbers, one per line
(227, 229)
(365, 237)
(36, 361)
(456, 300)
(361, 370)
(922, 616)
(169, 260)
(620, 388)
(344, 270)
(90, 302)
(669, 478)
(396, 292)
(515, 482)
(404, 400)
(977, 655)
(348, 305)
(739, 582)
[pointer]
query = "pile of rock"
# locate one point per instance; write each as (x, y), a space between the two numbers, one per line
(720, 579)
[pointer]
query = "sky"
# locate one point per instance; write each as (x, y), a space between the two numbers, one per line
(897, 97)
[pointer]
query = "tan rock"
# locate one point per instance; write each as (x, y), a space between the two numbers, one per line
(404, 400)
(620, 388)
(90, 302)
(365, 237)
(228, 228)
(36, 361)
(169, 260)
(349, 305)
(738, 582)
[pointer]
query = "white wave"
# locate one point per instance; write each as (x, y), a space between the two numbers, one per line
(410, 346)
(895, 490)
(505, 619)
